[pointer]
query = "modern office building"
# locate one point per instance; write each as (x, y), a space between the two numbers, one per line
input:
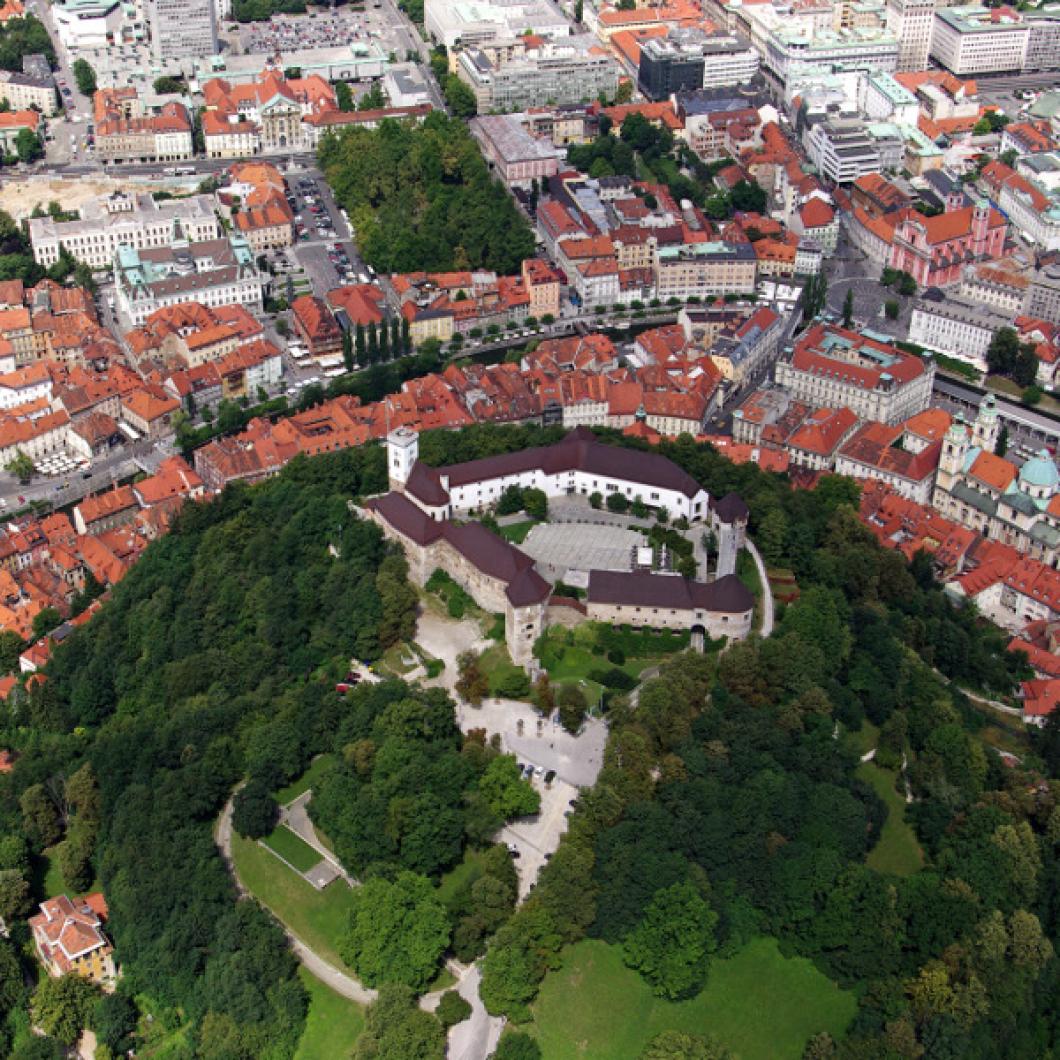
(911, 21)
(1043, 40)
(979, 40)
(182, 29)
(1043, 294)
(122, 220)
(689, 59)
(670, 64)
(573, 71)
(845, 149)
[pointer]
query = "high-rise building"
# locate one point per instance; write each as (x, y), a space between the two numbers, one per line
(183, 29)
(911, 22)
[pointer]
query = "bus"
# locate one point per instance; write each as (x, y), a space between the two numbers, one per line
(184, 171)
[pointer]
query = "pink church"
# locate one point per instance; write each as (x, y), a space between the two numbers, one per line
(934, 250)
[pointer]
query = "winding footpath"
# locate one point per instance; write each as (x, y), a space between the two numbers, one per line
(324, 970)
(473, 1039)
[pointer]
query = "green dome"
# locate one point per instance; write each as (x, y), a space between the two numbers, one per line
(1040, 470)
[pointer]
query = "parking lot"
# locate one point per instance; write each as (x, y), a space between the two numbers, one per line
(532, 840)
(287, 33)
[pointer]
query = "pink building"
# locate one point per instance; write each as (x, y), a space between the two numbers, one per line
(514, 155)
(934, 250)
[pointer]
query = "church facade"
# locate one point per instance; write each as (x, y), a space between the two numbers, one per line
(1019, 506)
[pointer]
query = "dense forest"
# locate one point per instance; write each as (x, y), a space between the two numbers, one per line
(421, 197)
(215, 658)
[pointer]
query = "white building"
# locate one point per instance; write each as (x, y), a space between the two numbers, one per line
(123, 220)
(582, 466)
(832, 367)
(727, 62)
(182, 29)
(28, 91)
(912, 22)
(216, 273)
(846, 149)
(885, 99)
(405, 86)
(477, 22)
(956, 328)
(979, 40)
(86, 24)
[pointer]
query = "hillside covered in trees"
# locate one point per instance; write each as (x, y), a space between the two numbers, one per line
(215, 658)
(729, 802)
(421, 197)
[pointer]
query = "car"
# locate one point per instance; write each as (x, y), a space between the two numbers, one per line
(86, 474)
(550, 776)
(539, 771)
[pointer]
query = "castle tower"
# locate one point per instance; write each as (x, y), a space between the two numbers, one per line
(954, 450)
(402, 452)
(728, 520)
(986, 427)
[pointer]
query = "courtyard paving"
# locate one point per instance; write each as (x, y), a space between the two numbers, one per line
(558, 547)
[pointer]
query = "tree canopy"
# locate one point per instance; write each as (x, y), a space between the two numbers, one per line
(421, 197)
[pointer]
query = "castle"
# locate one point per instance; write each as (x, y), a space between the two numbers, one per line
(420, 513)
(1019, 506)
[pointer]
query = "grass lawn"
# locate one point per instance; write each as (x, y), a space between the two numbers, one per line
(747, 572)
(332, 1025)
(457, 877)
(442, 981)
(52, 879)
(897, 852)
(1007, 386)
(865, 738)
(516, 532)
(497, 665)
(316, 917)
(292, 848)
(305, 781)
(759, 1004)
(398, 660)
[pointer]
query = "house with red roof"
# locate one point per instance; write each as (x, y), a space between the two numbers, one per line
(1040, 698)
(316, 326)
(815, 219)
(876, 451)
(68, 935)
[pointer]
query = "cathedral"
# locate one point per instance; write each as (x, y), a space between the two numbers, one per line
(1019, 506)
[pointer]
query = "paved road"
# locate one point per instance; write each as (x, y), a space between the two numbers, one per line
(767, 593)
(477, 1037)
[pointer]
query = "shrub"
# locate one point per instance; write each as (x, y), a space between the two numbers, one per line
(617, 656)
(452, 1009)
(254, 810)
(613, 678)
